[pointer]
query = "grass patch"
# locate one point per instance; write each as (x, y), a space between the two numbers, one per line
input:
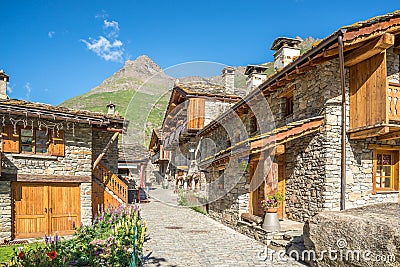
(183, 201)
(6, 252)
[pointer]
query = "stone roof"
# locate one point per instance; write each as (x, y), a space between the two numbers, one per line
(132, 152)
(204, 88)
(283, 41)
(31, 109)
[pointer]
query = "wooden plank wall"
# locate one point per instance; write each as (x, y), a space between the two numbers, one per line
(195, 114)
(368, 92)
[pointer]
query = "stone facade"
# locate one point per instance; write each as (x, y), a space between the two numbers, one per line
(5, 210)
(110, 159)
(79, 144)
(76, 162)
(313, 161)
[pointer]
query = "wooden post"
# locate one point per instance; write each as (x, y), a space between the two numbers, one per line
(113, 138)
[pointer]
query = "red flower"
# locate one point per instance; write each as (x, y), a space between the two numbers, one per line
(52, 254)
(21, 255)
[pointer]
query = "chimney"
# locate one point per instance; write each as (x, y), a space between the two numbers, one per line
(255, 76)
(111, 109)
(286, 51)
(228, 76)
(3, 84)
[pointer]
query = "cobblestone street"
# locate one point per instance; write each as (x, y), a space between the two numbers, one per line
(179, 236)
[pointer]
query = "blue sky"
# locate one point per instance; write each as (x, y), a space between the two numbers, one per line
(54, 50)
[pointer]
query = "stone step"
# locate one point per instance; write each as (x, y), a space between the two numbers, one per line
(292, 234)
(279, 243)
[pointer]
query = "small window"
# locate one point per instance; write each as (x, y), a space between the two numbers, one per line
(41, 142)
(386, 175)
(289, 105)
(221, 179)
(27, 141)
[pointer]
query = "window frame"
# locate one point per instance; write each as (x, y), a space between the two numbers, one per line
(394, 173)
(51, 142)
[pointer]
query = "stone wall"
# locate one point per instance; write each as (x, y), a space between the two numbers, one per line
(392, 65)
(77, 159)
(5, 210)
(232, 200)
(313, 162)
(213, 108)
(110, 159)
(86, 203)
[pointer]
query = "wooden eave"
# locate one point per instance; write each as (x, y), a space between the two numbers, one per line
(265, 141)
(383, 131)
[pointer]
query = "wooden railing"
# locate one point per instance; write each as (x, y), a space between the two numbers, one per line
(394, 102)
(111, 181)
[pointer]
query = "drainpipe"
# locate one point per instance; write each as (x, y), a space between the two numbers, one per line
(343, 162)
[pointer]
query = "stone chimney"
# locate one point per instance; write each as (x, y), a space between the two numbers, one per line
(255, 76)
(3, 84)
(286, 51)
(111, 109)
(228, 77)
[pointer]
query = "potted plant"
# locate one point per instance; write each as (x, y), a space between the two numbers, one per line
(271, 202)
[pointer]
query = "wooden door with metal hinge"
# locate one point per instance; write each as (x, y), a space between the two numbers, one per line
(40, 209)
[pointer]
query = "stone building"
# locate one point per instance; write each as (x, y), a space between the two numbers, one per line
(57, 165)
(323, 130)
(192, 106)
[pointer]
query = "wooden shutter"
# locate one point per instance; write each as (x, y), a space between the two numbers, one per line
(196, 113)
(368, 92)
(56, 143)
(10, 139)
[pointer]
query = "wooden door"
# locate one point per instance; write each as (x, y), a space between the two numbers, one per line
(64, 208)
(30, 210)
(282, 184)
(40, 209)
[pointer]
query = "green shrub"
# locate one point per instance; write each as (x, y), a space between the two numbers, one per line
(115, 238)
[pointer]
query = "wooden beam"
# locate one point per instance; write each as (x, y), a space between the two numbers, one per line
(113, 138)
(369, 132)
(384, 147)
(390, 136)
(396, 48)
(40, 178)
(370, 49)
(108, 129)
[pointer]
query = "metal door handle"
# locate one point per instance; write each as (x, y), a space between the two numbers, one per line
(45, 210)
(51, 210)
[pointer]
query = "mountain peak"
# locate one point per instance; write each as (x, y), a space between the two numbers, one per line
(142, 65)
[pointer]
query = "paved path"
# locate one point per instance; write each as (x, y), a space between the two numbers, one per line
(179, 236)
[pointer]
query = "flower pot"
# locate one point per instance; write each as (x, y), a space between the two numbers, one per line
(271, 210)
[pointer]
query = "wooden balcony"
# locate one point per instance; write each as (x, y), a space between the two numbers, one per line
(393, 100)
(377, 115)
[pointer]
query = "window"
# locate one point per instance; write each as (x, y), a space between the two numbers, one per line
(289, 105)
(27, 141)
(33, 142)
(386, 174)
(288, 94)
(41, 142)
(221, 179)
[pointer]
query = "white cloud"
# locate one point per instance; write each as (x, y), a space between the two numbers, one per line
(112, 27)
(10, 88)
(107, 47)
(103, 14)
(51, 34)
(28, 90)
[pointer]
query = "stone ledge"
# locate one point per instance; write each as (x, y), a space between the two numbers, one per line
(33, 156)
